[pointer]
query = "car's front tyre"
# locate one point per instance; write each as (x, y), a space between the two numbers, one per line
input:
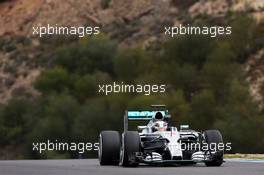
(130, 146)
(109, 148)
(214, 137)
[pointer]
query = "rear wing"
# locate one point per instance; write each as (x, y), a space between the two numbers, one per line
(142, 115)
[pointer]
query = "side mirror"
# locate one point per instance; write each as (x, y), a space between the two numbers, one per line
(184, 127)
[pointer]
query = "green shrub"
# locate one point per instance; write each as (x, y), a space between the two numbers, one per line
(87, 56)
(187, 49)
(131, 63)
(53, 80)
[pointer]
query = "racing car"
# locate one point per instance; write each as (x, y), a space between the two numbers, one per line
(158, 142)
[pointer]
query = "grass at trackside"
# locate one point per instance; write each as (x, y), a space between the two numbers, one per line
(244, 156)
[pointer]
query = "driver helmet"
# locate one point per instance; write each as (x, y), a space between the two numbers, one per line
(160, 126)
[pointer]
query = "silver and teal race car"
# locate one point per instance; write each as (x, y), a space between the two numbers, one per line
(158, 142)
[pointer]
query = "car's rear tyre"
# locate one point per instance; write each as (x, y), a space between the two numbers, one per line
(109, 148)
(214, 137)
(130, 145)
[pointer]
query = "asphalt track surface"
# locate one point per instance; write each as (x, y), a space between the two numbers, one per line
(92, 167)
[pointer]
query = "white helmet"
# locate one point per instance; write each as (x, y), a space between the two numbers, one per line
(160, 126)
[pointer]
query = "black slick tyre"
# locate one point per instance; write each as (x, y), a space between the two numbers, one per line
(109, 148)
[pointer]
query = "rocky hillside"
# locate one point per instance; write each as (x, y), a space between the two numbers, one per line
(130, 22)
(17, 17)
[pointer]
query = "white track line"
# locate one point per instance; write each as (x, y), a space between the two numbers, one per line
(244, 160)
